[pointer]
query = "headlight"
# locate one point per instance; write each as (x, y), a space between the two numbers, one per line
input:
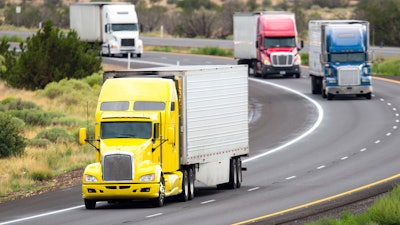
(297, 60)
(148, 177)
(90, 178)
(267, 62)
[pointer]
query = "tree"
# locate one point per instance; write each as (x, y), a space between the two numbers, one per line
(224, 21)
(385, 27)
(50, 55)
(11, 142)
(198, 23)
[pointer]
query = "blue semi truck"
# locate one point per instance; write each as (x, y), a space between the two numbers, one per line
(339, 58)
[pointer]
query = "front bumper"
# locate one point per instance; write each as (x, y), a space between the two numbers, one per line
(269, 70)
(348, 90)
(114, 191)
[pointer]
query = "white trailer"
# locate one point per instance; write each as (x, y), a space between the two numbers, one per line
(213, 118)
(113, 25)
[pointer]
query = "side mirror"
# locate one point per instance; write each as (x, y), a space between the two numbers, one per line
(301, 45)
(82, 136)
(171, 135)
(370, 57)
(323, 57)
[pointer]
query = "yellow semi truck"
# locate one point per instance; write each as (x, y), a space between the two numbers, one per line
(158, 130)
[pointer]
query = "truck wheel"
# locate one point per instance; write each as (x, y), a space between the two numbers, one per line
(297, 75)
(316, 85)
(191, 179)
(184, 196)
(139, 55)
(109, 51)
(159, 201)
(368, 96)
(233, 174)
(90, 204)
(239, 172)
(330, 96)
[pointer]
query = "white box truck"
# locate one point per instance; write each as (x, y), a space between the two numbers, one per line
(158, 130)
(113, 25)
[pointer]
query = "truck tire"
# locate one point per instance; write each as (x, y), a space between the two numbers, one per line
(239, 172)
(368, 96)
(184, 196)
(159, 201)
(297, 75)
(139, 55)
(90, 204)
(233, 174)
(316, 85)
(192, 178)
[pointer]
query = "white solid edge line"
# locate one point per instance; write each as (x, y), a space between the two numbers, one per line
(40, 215)
(315, 126)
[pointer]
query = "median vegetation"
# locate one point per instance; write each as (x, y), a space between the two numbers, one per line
(384, 211)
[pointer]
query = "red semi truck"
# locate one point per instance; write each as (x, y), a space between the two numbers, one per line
(267, 43)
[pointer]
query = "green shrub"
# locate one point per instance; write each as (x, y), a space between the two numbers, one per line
(11, 142)
(386, 210)
(41, 175)
(304, 58)
(213, 51)
(35, 117)
(11, 103)
(389, 67)
(65, 87)
(39, 143)
(55, 135)
(95, 80)
(68, 122)
(162, 49)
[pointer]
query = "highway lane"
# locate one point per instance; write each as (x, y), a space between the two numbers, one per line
(355, 145)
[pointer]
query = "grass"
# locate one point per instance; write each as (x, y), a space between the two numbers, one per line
(52, 148)
(384, 211)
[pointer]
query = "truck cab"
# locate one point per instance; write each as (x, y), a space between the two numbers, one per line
(277, 50)
(137, 142)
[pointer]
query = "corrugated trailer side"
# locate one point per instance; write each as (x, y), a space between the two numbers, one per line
(85, 19)
(245, 35)
(215, 114)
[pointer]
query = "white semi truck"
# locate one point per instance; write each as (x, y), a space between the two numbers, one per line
(113, 25)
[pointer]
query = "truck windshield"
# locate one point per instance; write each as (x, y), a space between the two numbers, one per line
(279, 42)
(124, 27)
(348, 57)
(125, 130)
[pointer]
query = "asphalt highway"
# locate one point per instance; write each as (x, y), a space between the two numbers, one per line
(303, 149)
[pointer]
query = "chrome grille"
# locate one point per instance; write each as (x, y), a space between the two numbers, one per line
(282, 59)
(117, 167)
(349, 76)
(128, 42)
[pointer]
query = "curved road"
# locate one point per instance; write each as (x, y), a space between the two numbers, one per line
(355, 144)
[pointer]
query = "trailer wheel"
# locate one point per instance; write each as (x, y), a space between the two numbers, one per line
(239, 172)
(233, 174)
(159, 201)
(90, 204)
(191, 182)
(184, 196)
